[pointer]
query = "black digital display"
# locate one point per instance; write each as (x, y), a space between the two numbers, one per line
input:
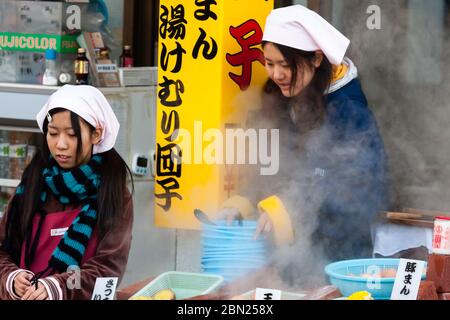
(141, 162)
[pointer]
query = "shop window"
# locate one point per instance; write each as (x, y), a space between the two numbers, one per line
(424, 52)
(140, 30)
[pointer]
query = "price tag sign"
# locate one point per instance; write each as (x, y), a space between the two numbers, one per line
(106, 68)
(105, 289)
(407, 281)
(267, 294)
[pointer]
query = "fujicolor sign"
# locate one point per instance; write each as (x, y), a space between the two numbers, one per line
(37, 42)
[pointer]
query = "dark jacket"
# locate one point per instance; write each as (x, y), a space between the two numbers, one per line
(355, 179)
(336, 183)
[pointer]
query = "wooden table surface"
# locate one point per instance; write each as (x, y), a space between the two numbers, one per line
(126, 292)
(265, 278)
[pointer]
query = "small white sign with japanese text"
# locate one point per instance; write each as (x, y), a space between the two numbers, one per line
(106, 68)
(407, 281)
(267, 294)
(105, 289)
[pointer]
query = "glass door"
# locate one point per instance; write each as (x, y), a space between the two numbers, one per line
(17, 148)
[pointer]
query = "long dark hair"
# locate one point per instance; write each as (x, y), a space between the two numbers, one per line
(310, 104)
(114, 173)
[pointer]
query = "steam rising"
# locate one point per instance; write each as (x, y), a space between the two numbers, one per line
(404, 68)
(404, 74)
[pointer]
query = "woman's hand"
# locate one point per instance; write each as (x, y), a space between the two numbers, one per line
(36, 292)
(229, 214)
(22, 283)
(264, 225)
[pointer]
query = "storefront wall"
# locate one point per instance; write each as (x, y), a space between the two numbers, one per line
(404, 72)
(404, 68)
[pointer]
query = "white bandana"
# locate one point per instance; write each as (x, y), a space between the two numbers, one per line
(301, 28)
(90, 104)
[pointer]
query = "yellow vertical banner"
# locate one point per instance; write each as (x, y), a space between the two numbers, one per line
(209, 57)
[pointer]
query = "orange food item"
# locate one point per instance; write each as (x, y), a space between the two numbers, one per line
(388, 273)
(370, 275)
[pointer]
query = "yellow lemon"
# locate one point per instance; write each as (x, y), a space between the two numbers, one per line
(165, 294)
(360, 295)
(141, 298)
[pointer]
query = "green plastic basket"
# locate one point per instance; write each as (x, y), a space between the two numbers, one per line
(184, 284)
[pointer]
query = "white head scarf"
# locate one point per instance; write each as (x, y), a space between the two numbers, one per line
(300, 28)
(90, 104)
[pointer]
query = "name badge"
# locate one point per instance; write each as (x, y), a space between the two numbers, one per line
(58, 232)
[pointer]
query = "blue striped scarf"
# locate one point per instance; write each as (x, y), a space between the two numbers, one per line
(79, 185)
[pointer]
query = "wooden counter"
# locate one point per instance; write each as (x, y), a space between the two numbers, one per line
(266, 278)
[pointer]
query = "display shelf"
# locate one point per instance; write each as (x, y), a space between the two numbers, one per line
(27, 88)
(24, 101)
(11, 183)
(21, 128)
(48, 90)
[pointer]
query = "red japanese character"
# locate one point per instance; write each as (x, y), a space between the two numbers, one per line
(248, 34)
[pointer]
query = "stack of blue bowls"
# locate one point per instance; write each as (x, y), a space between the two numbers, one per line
(231, 250)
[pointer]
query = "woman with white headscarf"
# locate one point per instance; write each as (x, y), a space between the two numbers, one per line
(72, 209)
(333, 168)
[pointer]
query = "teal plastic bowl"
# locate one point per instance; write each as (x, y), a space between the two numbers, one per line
(345, 275)
(230, 250)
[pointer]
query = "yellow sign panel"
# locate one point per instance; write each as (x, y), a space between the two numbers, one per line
(210, 63)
